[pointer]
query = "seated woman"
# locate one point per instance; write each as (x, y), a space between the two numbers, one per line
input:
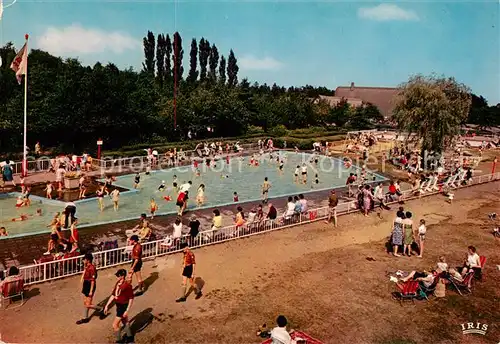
(145, 233)
(425, 279)
(472, 262)
(13, 276)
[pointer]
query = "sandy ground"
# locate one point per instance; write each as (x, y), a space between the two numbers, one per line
(316, 275)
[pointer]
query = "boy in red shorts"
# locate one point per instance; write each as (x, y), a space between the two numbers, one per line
(136, 267)
(88, 280)
(123, 295)
(188, 265)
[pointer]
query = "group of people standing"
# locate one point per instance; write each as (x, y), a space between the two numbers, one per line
(405, 234)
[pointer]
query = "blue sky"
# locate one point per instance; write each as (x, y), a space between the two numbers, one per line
(290, 43)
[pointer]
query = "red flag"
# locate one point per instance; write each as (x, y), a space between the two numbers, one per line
(20, 63)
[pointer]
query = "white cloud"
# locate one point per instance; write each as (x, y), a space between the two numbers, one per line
(387, 12)
(250, 62)
(76, 39)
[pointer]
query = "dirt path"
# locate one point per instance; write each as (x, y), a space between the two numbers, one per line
(316, 275)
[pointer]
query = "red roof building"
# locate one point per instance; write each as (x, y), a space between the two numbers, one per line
(381, 97)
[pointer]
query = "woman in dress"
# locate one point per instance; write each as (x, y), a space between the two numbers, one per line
(397, 232)
(7, 174)
(408, 233)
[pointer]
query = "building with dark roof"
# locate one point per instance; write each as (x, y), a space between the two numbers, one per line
(381, 97)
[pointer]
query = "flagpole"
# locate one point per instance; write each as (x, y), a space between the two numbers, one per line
(25, 163)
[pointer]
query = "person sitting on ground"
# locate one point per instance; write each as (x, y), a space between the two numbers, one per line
(425, 279)
(472, 262)
(279, 334)
(441, 264)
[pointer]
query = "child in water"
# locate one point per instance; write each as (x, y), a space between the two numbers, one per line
(235, 197)
(316, 181)
(200, 196)
(161, 188)
(154, 207)
(137, 181)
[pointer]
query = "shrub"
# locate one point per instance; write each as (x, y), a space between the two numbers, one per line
(278, 131)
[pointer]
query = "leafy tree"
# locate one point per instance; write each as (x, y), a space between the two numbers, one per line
(232, 69)
(193, 62)
(365, 116)
(340, 114)
(161, 51)
(203, 54)
(482, 114)
(149, 53)
(213, 61)
(178, 55)
(222, 70)
(433, 109)
(168, 60)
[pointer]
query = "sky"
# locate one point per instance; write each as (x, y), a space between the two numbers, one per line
(292, 43)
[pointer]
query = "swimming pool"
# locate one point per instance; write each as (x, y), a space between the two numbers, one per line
(220, 181)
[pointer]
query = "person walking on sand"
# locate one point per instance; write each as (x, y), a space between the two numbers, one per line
(88, 282)
(333, 201)
(123, 296)
(188, 273)
(136, 267)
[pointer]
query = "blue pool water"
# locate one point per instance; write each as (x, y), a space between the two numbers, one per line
(221, 181)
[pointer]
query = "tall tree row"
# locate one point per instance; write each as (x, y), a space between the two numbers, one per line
(213, 61)
(149, 54)
(178, 56)
(205, 61)
(161, 51)
(232, 69)
(168, 60)
(204, 53)
(193, 62)
(222, 70)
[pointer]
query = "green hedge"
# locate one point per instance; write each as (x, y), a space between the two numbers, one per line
(302, 138)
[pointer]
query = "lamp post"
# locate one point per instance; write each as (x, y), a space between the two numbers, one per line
(99, 144)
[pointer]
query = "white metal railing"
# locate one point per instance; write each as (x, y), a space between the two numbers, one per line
(69, 266)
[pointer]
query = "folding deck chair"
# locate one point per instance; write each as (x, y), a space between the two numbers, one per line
(11, 290)
(409, 292)
(482, 261)
(459, 285)
(426, 291)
